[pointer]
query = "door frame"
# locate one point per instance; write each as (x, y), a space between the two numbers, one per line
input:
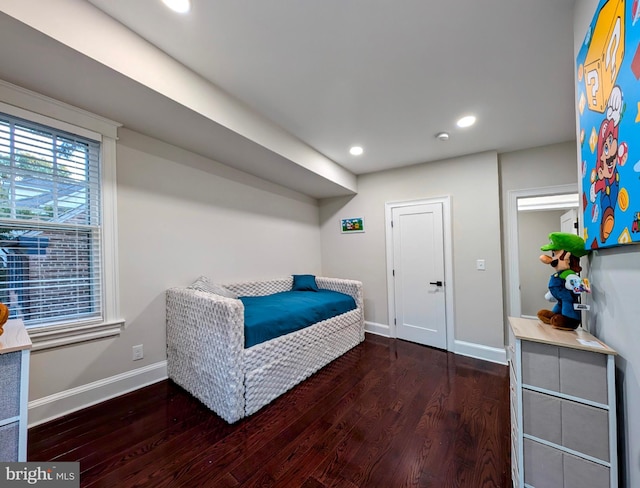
(445, 201)
(515, 303)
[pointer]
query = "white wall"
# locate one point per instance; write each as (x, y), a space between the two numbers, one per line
(472, 183)
(179, 216)
(615, 279)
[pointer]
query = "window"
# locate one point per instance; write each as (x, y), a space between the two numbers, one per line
(49, 224)
(57, 227)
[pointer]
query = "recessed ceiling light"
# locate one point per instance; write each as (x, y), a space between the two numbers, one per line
(466, 121)
(180, 6)
(356, 151)
(442, 136)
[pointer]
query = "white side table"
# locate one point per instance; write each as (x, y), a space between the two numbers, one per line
(563, 408)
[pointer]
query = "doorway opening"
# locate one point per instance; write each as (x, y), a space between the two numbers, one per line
(532, 215)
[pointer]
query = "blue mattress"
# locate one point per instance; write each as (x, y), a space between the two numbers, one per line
(271, 316)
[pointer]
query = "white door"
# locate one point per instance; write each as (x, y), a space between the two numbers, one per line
(569, 222)
(418, 270)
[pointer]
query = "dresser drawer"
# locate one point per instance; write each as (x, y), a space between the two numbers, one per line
(585, 429)
(9, 442)
(546, 467)
(10, 364)
(570, 424)
(540, 365)
(580, 473)
(583, 374)
(542, 416)
(542, 465)
(574, 372)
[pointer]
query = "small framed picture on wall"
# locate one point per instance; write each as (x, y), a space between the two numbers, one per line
(352, 225)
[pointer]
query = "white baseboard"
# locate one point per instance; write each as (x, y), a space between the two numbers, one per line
(53, 406)
(378, 329)
(479, 351)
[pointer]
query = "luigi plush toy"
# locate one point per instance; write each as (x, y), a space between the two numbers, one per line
(565, 284)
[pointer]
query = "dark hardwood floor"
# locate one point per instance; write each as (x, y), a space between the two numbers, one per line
(386, 414)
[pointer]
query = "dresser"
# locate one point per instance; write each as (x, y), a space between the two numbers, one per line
(15, 347)
(563, 411)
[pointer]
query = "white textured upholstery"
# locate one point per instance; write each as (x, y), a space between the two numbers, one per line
(206, 354)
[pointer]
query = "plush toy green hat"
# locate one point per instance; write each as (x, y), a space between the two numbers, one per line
(567, 242)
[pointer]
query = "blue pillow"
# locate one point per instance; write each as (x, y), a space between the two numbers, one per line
(304, 283)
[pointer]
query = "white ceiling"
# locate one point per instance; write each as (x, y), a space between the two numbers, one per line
(387, 75)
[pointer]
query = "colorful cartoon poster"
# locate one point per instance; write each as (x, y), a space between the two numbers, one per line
(352, 226)
(608, 94)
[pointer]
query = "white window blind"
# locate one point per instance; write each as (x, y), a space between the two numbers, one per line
(50, 224)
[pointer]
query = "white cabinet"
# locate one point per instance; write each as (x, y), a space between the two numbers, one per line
(15, 347)
(563, 413)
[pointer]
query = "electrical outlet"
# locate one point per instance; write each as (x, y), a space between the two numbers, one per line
(138, 352)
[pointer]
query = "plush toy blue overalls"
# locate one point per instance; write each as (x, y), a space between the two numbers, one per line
(566, 251)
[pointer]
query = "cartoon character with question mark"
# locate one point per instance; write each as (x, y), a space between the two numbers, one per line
(605, 179)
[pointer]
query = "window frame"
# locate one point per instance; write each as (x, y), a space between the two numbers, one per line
(40, 109)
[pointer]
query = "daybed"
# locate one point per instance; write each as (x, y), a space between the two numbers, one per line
(206, 352)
